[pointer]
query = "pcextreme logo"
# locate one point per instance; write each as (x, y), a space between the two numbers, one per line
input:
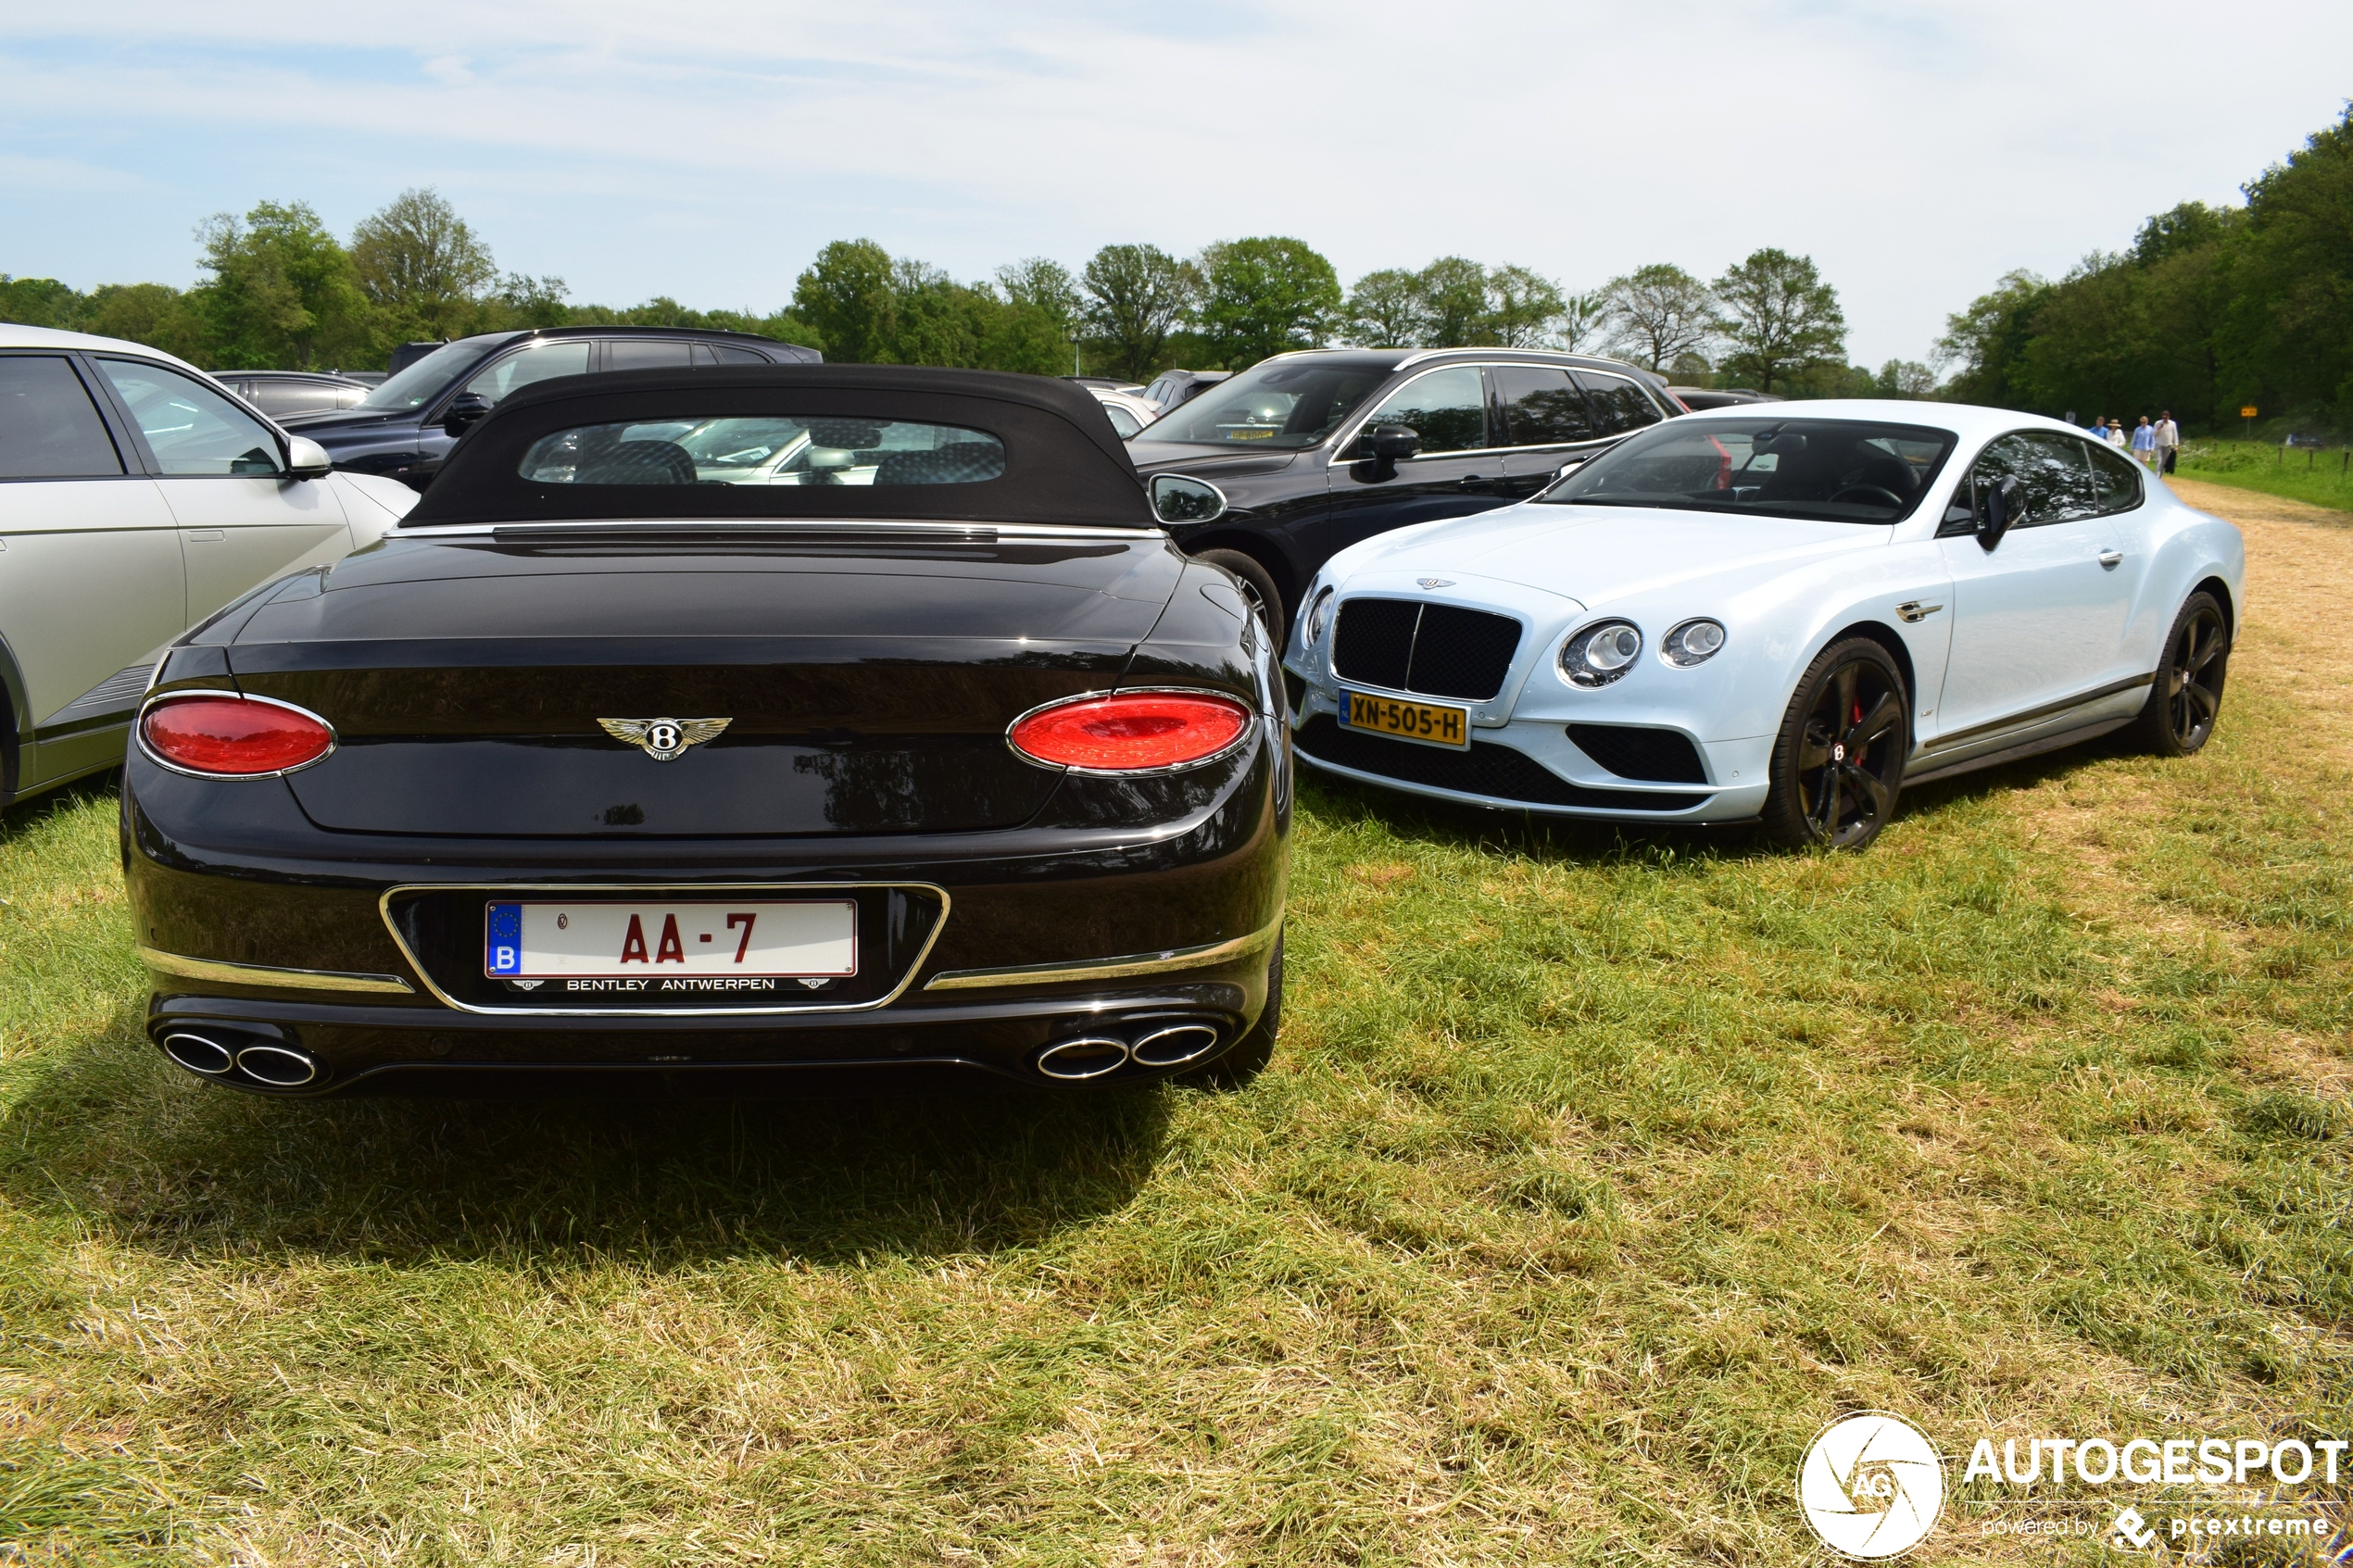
(1871, 1484)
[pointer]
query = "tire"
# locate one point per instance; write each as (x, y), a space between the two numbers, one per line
(1258, 587)
(1833, 783)
(2186, 700)
(1255, 1050)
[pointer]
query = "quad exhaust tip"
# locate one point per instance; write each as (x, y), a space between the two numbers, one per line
(1177, 1043)
(197, 1053)
(227, 1054)
(1154, 1042)
(1090, 1056)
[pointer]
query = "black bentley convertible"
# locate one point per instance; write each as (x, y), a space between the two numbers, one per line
(723, 730)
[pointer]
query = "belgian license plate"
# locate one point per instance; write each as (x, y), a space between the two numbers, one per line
(751, 939)
(1432, 723)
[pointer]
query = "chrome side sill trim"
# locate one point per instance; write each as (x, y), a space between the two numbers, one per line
(1125, 968)
(269, 974)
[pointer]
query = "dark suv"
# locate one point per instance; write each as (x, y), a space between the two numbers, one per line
(1306, 454)
(406, 426)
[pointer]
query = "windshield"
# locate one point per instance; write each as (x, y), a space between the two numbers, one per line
(1832, 471)
(1283, 404)
(422, 382)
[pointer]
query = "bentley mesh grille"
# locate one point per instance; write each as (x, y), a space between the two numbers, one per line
(1436, 650)
(1631, 752)
(1486, 769)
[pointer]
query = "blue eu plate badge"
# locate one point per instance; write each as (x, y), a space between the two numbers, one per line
(504, 937)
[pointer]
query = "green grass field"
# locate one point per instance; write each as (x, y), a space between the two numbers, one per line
(1591, 1176)
(2318, 478)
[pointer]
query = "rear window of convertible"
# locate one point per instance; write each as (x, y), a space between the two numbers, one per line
(765, 450)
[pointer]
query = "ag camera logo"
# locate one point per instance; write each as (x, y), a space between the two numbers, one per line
(1872, 1486)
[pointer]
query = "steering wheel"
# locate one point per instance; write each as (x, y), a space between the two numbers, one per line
(1868, 492)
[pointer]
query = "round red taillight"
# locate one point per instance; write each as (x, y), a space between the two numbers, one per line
(1131, 732)
(232, 737)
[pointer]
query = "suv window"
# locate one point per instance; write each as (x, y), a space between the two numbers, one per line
(2054, 474)
(727, 354)
(49, 429)
(1542, 407)
(1618, 404)
(535, 362)
(191, 428)
(645, 353)
(2116, 478)
(1448, 408)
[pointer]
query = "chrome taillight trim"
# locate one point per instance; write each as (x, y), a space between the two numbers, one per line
(164, 700)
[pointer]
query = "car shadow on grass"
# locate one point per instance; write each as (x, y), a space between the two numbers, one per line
(105, 1132)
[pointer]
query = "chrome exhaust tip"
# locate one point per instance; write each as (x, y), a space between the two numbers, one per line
(277, 1066)
(1091, 1056)
(198, 1054)
(1176, 1044)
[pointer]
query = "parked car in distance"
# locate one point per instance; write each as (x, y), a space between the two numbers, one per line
(1306, 454)
(137, 497)
(598, 774)
(1106, 383)
(1699, 397)
(279, 393)
(1172, 387)
(1783, 614)
(1128, 412)
(404, 428)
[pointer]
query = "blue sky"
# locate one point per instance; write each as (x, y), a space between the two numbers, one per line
(706, 150)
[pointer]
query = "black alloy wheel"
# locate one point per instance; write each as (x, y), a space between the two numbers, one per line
(1258, 587)
(1838, 762)
(2186, 697)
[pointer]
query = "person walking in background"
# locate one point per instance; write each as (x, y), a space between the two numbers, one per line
(2145, 444)
(2097, 428)
(2169, 441)
(2115, 432)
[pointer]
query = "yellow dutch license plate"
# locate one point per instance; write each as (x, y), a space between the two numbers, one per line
(1430, 722)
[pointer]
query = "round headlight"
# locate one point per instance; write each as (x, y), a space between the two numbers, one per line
(1693, 642)
(1601, 654)
(1319, 614)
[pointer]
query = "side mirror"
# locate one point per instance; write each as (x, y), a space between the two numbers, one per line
(1998, 508)
(305, 458)
(1394, 444)
(1178, 499)
(465, 411)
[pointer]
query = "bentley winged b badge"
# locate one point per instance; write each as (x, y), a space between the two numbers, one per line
(665, 740)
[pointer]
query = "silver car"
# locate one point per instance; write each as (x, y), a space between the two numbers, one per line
(137, 497)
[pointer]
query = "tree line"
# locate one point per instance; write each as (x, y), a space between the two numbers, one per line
(2212, 310)
(281, 291)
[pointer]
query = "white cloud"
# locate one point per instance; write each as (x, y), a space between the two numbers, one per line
(1916, 152)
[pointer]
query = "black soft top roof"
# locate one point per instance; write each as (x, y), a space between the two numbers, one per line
(1063, 462)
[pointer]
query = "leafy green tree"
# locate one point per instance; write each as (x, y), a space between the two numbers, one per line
(159, 316)
(1778, 317)
(1038, 331)
(1384, 310)
(1904, 377)
(40, 302)
(1989, 338)
(1524, 310)
(849, 295)
(422, 265)
(1454, 304)
(1265, 296)
(1135, 298)
(283, 294)
(1583, 318)
(1656, 315)
(534, 302)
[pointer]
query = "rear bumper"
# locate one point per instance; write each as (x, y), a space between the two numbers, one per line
(266, 933)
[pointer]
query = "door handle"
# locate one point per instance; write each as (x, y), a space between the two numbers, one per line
(2111, 560)
(1912, 609)
(206, 536)
(1474, 482)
